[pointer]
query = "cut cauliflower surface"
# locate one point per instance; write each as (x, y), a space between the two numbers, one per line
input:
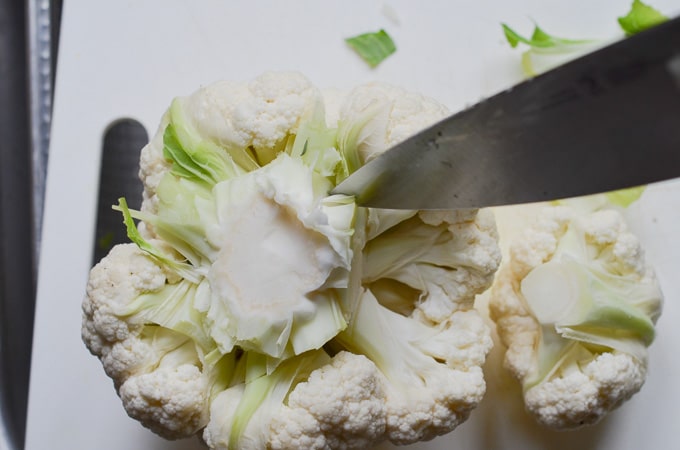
(575, 304)
(257, 310)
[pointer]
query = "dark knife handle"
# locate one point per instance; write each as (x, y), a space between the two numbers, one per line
(119, 177)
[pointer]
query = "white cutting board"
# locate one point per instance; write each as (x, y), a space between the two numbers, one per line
(129, 58)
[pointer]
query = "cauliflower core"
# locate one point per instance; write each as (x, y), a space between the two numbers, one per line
(257, 310)
(275, 255)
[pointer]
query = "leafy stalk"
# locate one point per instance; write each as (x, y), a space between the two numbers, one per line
(547, 51)
(264, 394)
(640, 17)
(181, 268)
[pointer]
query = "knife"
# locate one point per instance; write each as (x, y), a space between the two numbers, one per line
(605, 121)
(118, 177)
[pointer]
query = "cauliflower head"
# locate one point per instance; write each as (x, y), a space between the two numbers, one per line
(257, 310)
(576, 305)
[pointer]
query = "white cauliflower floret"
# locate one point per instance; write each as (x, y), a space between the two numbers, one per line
(404, 113)
(152, 167)
(170, 401)
(423, 414)
(156, 373)
(431, 373)
(576, 305)
(246, 275)
(453, 389)
(395, 114)
(352, 414)
(463, 343)
(475, 244)
(258, 115)
(442, 259)
(118, 279)
(422, 271)
(580, 398)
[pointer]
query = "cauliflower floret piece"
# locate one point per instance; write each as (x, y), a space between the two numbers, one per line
(584, 397)
(395, 114)
(576, 305)
(170, 401)
(111, 286)
(422, 271)
(433, 263)
(257, 115)
(156, 371)
(352, 414)
(431, 374)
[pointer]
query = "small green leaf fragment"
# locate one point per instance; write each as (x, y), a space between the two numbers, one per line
(640, 17)
(625, 197)
(540, 36)
(512, 36)
(106, 241)
(131, 228)
(546, 51)
(373, 48)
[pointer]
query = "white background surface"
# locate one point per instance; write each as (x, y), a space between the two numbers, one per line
(129, 58)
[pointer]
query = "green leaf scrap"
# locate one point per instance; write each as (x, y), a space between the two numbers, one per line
(373, 48)
(539, 38)
(640, 17)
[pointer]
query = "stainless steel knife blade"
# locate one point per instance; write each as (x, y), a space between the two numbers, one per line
(605, 121)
